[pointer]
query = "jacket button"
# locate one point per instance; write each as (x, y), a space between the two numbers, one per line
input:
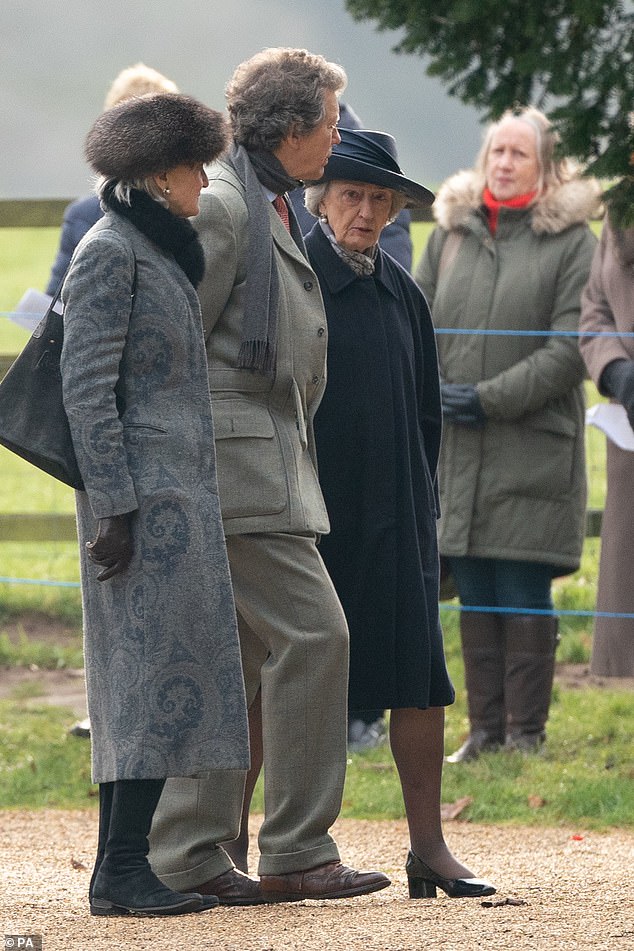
(316, 380)
(308, 285)
(321, 331)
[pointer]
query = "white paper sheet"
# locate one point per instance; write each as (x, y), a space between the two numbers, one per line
(31, 308)
(612, 419)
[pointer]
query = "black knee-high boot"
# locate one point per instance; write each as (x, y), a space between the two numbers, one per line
(105, 808)
(123, 882)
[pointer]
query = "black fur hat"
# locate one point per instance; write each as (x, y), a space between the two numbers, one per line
(151, 134)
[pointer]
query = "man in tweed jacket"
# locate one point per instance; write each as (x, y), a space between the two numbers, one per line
(266, 343)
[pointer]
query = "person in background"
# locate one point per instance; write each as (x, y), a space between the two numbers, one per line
(82, 214)
(266, 344)
(395, 239)
(607, 309)
(377, 432)
(163, 671)
(510, 255)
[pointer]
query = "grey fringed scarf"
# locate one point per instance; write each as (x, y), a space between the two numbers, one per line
(259, 321)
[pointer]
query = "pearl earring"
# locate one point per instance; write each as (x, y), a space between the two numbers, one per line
(166, 191)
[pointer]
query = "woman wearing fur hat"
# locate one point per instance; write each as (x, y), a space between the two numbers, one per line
(377, 432)
(158, 608)
(511, 254)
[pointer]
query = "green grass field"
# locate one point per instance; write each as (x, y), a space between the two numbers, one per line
(583, 777)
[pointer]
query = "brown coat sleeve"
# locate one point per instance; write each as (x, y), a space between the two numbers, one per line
(606, 308)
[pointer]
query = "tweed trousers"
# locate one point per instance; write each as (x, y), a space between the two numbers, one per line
(294, 641)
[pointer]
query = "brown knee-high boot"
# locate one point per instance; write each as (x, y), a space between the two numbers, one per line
(531, 641)
(482, 638)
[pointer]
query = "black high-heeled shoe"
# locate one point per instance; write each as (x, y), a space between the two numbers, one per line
(422, 882)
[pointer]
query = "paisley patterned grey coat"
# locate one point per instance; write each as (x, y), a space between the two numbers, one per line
(164, 681)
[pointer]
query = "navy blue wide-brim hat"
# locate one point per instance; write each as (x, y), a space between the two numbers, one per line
(366, 156)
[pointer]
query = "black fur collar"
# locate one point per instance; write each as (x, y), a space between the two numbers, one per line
(170, 233)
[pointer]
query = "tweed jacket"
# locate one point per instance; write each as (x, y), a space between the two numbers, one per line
(267, 466)
(164, 678)
(516, 488)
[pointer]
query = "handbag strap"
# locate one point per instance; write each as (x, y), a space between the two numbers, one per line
(58, 292)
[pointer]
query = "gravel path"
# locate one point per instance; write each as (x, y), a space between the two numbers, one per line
(570, 890)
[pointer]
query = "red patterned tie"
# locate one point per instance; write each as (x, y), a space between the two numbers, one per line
(282, 209)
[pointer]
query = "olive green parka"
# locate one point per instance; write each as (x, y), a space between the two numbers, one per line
(515, 488)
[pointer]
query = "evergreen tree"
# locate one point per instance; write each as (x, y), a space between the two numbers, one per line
(573, 59)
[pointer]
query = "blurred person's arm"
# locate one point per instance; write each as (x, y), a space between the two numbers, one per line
(79, 217)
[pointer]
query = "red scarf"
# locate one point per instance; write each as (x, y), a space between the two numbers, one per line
(492, 205)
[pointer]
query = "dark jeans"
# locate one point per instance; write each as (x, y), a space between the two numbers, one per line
(491, 582)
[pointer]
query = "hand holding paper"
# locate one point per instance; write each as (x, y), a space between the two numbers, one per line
(611, 419)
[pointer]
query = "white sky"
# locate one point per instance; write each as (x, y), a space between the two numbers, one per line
(59, 56)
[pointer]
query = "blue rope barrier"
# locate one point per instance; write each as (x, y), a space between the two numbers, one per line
(531, 333)
(23, 313)
(465, 330)
(443, 606)
(549, 613)
(35, 316)
(40, 581)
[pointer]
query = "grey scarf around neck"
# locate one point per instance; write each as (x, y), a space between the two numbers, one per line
(362, 264)
(259, 320)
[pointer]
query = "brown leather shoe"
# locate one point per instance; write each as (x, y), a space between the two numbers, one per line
(332, 880)
(233, 888)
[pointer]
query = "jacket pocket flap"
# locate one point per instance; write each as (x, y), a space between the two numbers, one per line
(551, 421)
(242, 419)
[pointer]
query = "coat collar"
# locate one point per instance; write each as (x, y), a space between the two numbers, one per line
(335, 273)
(289, 244)
(174, 235)
(562, 206)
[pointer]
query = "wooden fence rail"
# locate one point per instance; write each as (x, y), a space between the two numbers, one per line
(49, 527)
(48, 212)
(37, 527)
(32, 212)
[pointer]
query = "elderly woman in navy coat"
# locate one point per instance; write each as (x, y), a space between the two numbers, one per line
(164, 679)
(378, 435)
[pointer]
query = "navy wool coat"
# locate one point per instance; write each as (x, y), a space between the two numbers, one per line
(378, 437)
(164, 679)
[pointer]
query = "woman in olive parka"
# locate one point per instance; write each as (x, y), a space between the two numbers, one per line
(508, 261)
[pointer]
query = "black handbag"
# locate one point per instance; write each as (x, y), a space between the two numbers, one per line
(33, 422)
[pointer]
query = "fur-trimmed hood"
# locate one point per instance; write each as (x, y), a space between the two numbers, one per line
(559, 208)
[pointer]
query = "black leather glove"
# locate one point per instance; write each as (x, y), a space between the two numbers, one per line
(461, 404)
(112, 549)
(617, 380)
